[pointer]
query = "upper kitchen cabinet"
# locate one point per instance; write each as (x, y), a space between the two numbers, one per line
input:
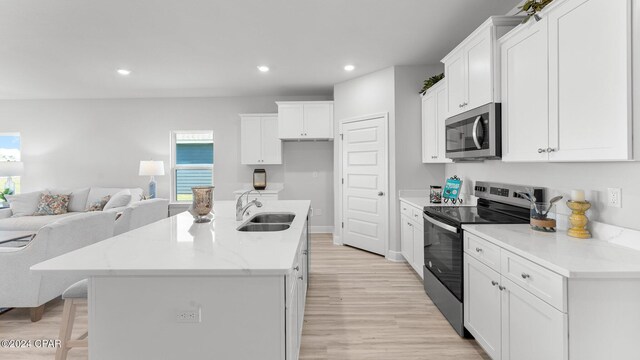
(434, 103)
(555, 105)
(305, 120)
(472, 69)
(259, 142)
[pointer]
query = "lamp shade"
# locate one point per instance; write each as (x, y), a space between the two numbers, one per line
(151, 168)
(11, 168)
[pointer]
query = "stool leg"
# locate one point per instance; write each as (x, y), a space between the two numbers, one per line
(66, 327)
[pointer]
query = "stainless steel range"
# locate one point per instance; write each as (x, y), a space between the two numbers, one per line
(443, 238)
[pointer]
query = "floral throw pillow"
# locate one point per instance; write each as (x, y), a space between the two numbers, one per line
(52, 204)
(99, 205)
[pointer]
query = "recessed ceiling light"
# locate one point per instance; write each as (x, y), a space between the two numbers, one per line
(349, 67)
(263, 68)
(124, 72)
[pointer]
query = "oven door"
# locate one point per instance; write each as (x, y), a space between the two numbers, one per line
(443, 253)
(474, 134)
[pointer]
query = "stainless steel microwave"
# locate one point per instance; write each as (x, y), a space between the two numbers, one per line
(475, 134)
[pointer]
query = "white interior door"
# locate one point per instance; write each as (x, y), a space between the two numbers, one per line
(365, 174)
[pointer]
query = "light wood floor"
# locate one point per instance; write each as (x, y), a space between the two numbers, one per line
(359, 306)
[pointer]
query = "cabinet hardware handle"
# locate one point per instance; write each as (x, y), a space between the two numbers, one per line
(305, 252)
(501, 287)
(409, 224)
(300, 277)
(415, 215)
(494, 283)
(380, 193)
(297, 268)
(525, 276)
(549, 149)
(478, 249)
(541, 150)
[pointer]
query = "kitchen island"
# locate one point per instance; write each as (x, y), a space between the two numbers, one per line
(175, 289)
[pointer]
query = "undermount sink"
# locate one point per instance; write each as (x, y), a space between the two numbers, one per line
(272, 218)
(268, 222)
(253, 227)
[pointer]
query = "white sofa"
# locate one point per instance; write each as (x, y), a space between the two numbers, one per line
(20, 287)
(132, 215)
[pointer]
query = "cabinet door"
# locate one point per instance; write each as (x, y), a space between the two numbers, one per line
(271, 144)
(455, 77)
(302, 295)
(290, 121)
(531, 328)
(406, 239)
(525, 99)
(590, 80)
(482, 311)
(479, 74)
(318, 121)
(441, 131)
(250, 140)
(429, 128)
(418, 249)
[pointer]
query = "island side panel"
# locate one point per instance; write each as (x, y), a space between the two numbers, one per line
(241, 317)
(604, 319)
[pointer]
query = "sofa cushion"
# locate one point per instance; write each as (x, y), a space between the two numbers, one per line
(28, 223)
(53, 204)
(24, 204)
(78, 201)
(100, 204)
(119, 199)
(97, 193)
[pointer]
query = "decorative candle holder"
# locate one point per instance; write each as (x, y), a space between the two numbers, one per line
(578, 219)
(202, 203)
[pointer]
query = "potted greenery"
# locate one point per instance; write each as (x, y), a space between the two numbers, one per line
(3, 193)
(430, 82)
(532, 8)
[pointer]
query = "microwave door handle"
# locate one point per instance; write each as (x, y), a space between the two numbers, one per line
(440, 224)
(475, 132)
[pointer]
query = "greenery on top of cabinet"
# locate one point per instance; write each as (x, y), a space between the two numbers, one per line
(531, 7)
(430, 82)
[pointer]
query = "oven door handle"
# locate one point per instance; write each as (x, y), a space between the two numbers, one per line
(440, 224)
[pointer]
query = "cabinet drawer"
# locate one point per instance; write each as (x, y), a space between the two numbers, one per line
(416, 215)
(406, 209)
(541, 282)
(481, 249)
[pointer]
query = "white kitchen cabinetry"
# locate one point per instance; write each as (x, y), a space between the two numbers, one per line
(412, 236)
(297, 284)
(434, 104)
(305, 120)
(520, 319)
(472, 69)
(552, 109)
(259, 142)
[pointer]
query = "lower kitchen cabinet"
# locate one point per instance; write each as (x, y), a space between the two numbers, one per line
(412, 236)
(297, 285)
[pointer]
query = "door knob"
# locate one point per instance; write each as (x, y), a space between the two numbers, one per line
(380, 193)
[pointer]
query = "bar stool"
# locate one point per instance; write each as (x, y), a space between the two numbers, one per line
(74, 295)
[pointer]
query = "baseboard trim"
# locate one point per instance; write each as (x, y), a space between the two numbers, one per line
(337, 240)
(395, 256)
(321, 229)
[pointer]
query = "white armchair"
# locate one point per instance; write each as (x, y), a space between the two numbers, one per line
(19, 287)
(141, 213)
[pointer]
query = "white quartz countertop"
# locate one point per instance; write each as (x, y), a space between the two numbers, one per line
(177, 246)
(567, 256)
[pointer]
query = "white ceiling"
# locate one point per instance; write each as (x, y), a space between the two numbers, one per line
(183, 48)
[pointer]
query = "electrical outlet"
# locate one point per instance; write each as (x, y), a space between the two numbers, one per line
(315, 174)
(614, 197)
(188, 316)
(318, 212)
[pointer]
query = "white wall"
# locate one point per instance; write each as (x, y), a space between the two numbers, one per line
(394, 91)
(560, 178)
(76, 143)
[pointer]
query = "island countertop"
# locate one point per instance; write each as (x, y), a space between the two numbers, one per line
(179, 247)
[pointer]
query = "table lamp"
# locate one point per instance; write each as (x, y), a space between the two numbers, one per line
(151, 168)
(9, 169)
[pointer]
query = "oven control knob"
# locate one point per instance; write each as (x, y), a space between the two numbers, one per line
(430, 264)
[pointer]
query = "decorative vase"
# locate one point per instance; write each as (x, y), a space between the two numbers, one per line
(578, 219)
(202, 204)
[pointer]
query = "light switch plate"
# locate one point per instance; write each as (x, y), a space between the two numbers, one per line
(189, 316)
(614, 197)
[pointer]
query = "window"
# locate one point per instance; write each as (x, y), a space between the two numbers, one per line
(192, 162)
(10, 151)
